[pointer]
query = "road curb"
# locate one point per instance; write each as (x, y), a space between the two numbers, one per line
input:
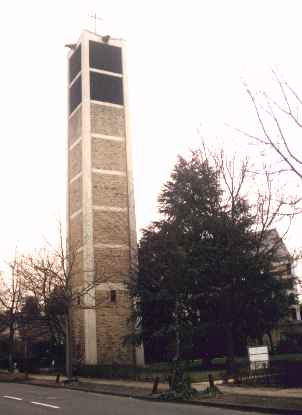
(250, 408)
(239, 407)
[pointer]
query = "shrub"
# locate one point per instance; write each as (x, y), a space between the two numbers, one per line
(108, 371)
(292, 343)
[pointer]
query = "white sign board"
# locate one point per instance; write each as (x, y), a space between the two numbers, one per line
(258, 357)
(258, 350)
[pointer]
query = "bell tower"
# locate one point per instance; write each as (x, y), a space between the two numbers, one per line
(101, 214)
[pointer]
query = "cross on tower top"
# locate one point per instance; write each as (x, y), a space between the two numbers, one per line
(95, 17)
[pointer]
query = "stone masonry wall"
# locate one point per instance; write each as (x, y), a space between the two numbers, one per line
(108, 154)
(113, 264)
(75, 126)
(107, 120)
(76, 228)
(78, 271)
(78, 332)
(111, 227)
(76, 232)
(112, 327)
(75, 195)
(109, 190)
(78, 335)
(75, 160)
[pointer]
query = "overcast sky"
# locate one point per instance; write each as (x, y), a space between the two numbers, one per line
(186, 63)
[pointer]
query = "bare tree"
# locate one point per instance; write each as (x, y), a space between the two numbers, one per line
(11, 297)
(55, 278)
(258, 186)
(279, 120)
(269, 204)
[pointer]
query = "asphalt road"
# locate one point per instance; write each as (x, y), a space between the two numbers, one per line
(33, 400)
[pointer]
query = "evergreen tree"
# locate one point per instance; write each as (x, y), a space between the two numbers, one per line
(202, 267)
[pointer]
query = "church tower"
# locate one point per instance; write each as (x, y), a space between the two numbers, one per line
(101, 216)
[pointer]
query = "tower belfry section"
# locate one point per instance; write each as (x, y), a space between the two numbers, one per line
(101, 215)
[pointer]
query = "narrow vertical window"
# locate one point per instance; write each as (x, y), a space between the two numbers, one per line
(106, 88)
(75, 64)
(113, 296)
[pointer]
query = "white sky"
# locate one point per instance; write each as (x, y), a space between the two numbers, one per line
(186, 61)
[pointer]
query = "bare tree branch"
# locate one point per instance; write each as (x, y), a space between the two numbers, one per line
(270, 137)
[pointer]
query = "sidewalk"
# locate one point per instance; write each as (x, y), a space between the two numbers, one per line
(126, 388)
(263, 400)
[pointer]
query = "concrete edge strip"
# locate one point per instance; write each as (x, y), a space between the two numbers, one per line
(74, 79)
(74, 111)
(75, 214)
(76, 177)
(110, 172)
(109, 208)
(75, 143)
(107, 137)
(105, 104)
(103, 72)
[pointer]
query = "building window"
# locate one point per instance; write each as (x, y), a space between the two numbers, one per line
(105, 57)
(113, 296)
(106, 88)
(75, 64)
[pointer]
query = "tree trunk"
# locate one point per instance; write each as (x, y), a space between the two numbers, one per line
(230, 363)
(269, 333)
(177, 335)
(26, 357)
(11, 348)
(68, 357)
(177, 346)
